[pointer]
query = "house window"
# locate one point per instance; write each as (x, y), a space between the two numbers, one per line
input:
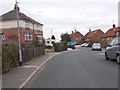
(39, 38)
(28, 36)
(79, 38)
(52, 42)
(76, 38)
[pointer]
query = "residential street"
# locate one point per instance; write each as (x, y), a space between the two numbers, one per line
(79, 68)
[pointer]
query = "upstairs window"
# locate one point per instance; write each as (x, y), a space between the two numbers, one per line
(27, 24)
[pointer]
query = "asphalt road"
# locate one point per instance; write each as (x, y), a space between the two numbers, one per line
(80, 68)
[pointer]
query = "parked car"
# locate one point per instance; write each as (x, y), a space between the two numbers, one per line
(84, 44)
(113, 50)
(71, 45)
(96, 46)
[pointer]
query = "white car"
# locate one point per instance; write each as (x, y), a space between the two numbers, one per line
(96, 46)
(84, 44)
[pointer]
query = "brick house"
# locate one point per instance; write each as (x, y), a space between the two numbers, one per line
(94, 36)
(30, 29)
(77, 37)
(117, 33)
(111, 34)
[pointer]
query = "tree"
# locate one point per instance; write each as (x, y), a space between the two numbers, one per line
(65, 37)
(53, 37)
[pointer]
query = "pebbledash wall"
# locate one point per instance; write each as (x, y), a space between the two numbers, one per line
(28, 31)
(24, 24)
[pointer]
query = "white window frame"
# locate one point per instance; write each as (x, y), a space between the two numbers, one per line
(28, 36)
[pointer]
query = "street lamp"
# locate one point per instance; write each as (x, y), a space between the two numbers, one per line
(19, 44)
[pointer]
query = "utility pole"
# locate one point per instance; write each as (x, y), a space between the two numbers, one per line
(51, 33)
(18, 29)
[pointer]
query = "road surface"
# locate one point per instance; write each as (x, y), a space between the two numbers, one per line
(80, 68)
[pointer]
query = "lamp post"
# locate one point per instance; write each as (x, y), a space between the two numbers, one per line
(18, 29)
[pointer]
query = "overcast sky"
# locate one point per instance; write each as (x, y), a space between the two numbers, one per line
(63, 16)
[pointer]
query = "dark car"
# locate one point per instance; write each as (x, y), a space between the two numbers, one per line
(113, 50)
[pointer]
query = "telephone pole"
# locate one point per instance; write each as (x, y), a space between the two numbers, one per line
(18, 29)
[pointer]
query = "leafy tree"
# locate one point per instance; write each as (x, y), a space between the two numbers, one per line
(65, 37)
(53, 37)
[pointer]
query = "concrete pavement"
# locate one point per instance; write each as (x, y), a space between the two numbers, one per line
(19, 76)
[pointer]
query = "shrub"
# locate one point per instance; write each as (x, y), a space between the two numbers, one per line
(56, 47)
(62, 46)
(9, 57)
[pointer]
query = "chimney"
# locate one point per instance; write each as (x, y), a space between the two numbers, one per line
(89, 30)
(75, 30)
(16, 7)
(114, 26)
(72, 32)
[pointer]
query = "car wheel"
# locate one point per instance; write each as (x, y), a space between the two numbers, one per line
(118, 59)
(106, 56)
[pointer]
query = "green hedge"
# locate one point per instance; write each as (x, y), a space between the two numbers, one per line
(9, 57)
(58, 47)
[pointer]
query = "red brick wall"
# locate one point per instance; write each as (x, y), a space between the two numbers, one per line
(78, 36)
(12, 34)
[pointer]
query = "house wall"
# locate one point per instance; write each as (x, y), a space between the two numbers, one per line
(22, 23)
(76, 37)
(11, 24)
(12, 34)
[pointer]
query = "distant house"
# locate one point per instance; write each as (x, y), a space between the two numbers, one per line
(77, 37)
(95, 35)
(30, 29)
(111, 34)
(50, 42)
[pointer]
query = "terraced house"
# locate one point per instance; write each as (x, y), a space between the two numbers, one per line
(30, 29)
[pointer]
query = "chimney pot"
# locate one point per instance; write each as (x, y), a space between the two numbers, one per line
(16, 7)
(89, 30)
(72, 32)
(114, 26)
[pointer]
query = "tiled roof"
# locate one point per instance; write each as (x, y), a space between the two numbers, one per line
(11, 15)
(93, 33)
(111, 32)
(77, 33)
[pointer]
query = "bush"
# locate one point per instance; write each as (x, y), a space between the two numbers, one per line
(9, 57)
(58, 47)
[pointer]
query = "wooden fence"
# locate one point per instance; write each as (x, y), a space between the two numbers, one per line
(30, 53)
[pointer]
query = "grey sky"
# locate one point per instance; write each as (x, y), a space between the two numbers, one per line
(62, 16)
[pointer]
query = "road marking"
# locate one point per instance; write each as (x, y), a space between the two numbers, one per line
(29, 66)
(23, 84)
